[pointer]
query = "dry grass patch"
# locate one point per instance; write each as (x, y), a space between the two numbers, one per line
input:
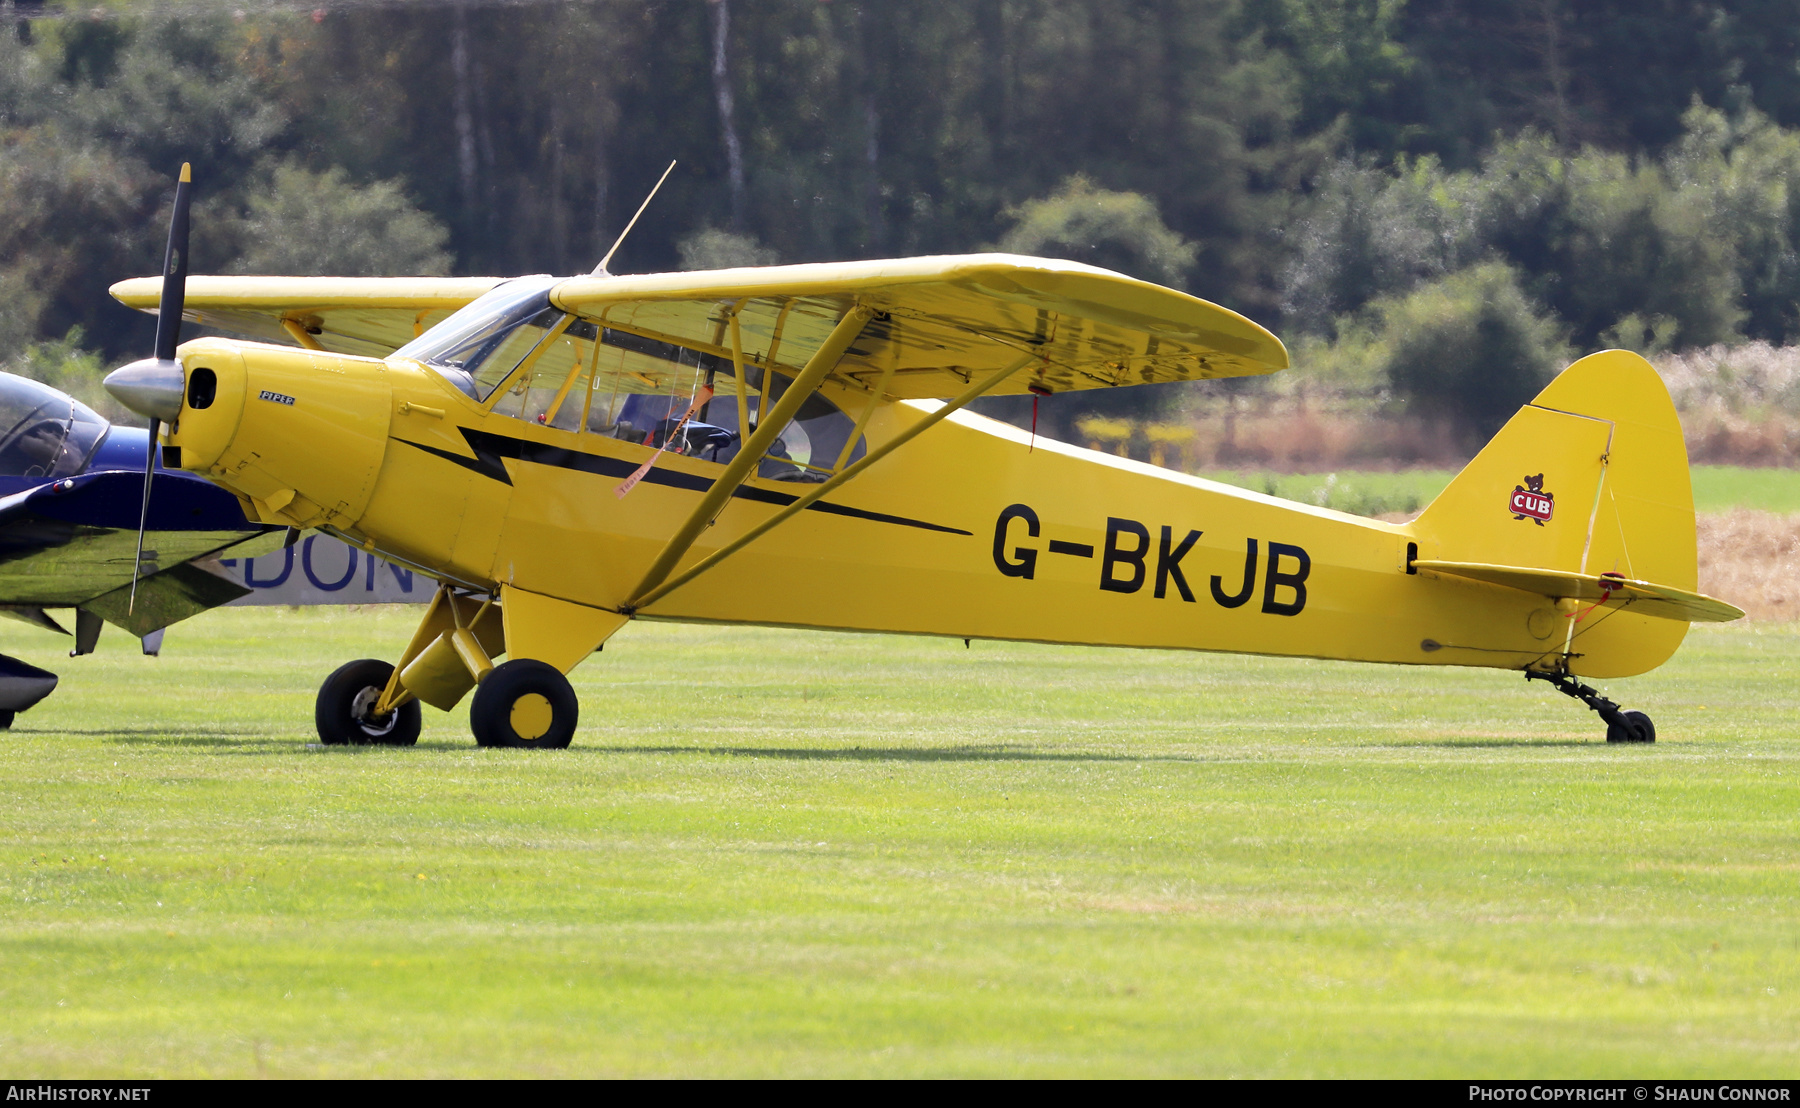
(1739, 405)
(1752, 559)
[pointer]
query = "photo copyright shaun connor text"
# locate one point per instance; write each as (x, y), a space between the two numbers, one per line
(1648, 1092)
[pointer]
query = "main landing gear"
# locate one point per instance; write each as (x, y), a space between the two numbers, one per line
(345, 711)
(524, 703)
(1621, 726)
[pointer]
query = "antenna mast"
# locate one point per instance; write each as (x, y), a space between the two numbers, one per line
(601, 268)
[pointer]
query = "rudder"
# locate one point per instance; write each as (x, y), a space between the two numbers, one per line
(1589, 478)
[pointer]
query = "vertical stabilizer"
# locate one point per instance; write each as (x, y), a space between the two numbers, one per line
(1591, 477)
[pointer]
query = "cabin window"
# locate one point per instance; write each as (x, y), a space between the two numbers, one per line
(551, 368)
(512, 350)
(642, 388)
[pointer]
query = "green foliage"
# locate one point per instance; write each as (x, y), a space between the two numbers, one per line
(76, 217)
(179, 91)
(1447, 76)
(303, 223)
(711, 248)
(1353, 67)
(98, 115)
(1675, 252)
(1354, 362)
(21, 303)
(1746, 168)
(1372, 232)
(1294, 159)
(64, 364)
(1637, 244)
(1471, 348)
(1121, 231)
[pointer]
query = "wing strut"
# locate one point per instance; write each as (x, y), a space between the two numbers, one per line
(969, 394)
(823, 361)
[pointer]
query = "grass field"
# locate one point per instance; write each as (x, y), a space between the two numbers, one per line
(776, 852)
(1372, 492)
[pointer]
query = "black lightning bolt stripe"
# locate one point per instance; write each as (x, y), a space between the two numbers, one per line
(491, 450)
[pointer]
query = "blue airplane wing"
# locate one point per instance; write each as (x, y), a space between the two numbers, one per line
(71, 543)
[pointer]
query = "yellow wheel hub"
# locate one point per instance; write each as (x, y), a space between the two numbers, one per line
(531, 716)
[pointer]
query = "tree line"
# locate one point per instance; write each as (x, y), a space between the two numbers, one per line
(1361, 175)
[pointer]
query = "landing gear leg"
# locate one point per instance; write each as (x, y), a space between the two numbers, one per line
(1621, 726)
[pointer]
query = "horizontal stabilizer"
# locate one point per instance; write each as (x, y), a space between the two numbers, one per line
(1643, 597)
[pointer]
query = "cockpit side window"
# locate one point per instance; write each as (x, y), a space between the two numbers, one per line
(44, 433)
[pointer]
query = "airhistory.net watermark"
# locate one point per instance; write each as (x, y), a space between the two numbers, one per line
(59, 1093)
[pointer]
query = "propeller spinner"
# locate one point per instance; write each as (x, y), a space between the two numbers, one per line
(153, 386)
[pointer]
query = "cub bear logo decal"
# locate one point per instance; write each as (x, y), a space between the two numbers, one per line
(1530, 501)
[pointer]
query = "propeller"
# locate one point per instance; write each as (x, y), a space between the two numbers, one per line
(153, 386)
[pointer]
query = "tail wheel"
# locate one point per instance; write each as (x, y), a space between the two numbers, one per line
(345, 711)
(1634, 727)
(524, 703)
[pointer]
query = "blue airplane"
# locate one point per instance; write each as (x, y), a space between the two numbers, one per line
(72, 502)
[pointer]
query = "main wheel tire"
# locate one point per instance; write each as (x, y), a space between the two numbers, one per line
(6, 720)
(1637, 729)
(344, 711)
(524, 703)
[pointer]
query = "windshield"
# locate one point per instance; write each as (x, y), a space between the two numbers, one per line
(46, 433)
(480, 344)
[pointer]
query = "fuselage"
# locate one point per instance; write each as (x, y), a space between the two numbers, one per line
(973, 530)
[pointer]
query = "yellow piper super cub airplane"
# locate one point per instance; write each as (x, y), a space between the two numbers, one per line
(789, 446)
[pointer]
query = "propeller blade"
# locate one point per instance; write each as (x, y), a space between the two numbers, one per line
(175, 271)
(137, 562)
(168, 336)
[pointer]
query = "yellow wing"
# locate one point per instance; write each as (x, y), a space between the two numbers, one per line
(941, 322)
(371, 316)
